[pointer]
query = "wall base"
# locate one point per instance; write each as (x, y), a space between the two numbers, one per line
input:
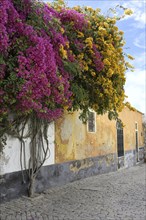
(11, 185)
(141, 154)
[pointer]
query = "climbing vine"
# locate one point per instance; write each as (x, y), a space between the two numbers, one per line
(34, 85)
(54, 58)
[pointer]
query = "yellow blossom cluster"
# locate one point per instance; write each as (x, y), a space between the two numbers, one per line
(109, 83)
(80, 34)
(128, 11)
(89, 42)
(63, 52)
(130, 57)
(80, 56)
(62, 30)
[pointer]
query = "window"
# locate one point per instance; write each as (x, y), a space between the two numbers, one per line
(91, 121)
(120, 139)
(136, 126)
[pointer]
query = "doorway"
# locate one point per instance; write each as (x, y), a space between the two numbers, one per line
(136, 141)
(120, 144)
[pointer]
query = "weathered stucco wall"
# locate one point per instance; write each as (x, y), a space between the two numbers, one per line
(129, 119)
(74, 142)
(78, 153)
(10, 157)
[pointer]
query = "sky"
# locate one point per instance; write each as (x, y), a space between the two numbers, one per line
(134, 28)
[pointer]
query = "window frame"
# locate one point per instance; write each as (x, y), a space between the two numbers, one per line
(136, 126)
(89, 131)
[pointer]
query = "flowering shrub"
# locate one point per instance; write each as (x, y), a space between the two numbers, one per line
(85, 54)
(54, 58)
(32, 76)
(97, 46)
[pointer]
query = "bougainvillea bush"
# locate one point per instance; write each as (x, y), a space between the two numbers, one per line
(34, 84)
(32, 76)
(54, 58)
(87, 56)
(98, 48)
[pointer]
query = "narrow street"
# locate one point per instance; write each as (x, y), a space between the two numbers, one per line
(119, 195)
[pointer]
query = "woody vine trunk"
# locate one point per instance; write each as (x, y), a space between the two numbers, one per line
(39, 151)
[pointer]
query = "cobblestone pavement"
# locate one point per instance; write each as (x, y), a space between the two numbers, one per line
(114, 196)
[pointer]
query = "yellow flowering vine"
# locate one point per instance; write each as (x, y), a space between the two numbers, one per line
(97, 47)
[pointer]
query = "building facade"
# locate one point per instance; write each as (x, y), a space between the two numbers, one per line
(77, 151)
(102, 145)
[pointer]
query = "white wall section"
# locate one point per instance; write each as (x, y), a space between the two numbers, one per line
(10, 157)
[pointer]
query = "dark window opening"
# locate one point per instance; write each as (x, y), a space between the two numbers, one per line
(120, 139)
(136, 141)
(91, 122)
(136, 136)
(136, 126)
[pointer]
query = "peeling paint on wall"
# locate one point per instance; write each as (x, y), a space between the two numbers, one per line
(4, 159)
(66, 130)
(74, 142)
(109, 159)
(78, 165)
(10, 157)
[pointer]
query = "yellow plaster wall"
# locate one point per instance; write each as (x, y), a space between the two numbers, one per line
(129, 118)
(74, 142)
